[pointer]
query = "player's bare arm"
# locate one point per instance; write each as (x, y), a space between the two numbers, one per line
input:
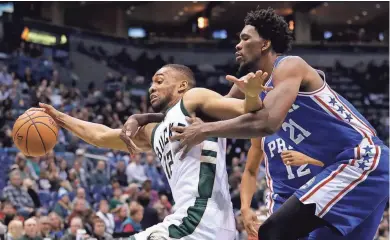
(287, 78)
(216, 106)
(248, 185)
(295, 158)
(98, 134)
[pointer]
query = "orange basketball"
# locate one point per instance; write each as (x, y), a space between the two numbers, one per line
(35, 133)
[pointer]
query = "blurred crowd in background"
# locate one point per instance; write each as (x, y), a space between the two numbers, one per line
(111, 194)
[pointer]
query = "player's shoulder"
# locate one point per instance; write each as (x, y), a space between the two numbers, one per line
(293, 62)
(196, 94)
(291, 65)
(195, 97)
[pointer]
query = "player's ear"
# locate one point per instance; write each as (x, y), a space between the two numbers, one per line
(183, 86)
(266, 45)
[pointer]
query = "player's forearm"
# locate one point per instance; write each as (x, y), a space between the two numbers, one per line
(250, 125)
(87, 131)
(252, 104)
(248, 188)
(146, 118)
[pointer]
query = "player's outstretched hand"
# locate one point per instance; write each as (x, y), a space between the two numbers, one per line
(54, 113)
(251, 84)
(250, 221)
(188, 136)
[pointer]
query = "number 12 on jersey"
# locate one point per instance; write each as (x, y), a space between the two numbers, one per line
(167, 163)
(301, 171)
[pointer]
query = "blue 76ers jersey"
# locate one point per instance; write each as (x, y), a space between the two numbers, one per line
(281, 179)
(322, 124)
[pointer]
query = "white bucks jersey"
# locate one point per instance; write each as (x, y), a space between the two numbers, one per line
(201, 175)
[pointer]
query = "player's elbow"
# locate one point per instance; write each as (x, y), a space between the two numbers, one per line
(263, 124)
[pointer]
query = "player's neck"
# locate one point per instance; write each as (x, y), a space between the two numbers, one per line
(172, 103)
(267, 63)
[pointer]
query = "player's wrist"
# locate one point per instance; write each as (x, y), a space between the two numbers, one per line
(245, 209)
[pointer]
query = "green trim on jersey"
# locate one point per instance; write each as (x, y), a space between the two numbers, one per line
(183, 109)
(212, 139)
(132, 238)
(195, 213)
(153, 132)
(209, 153)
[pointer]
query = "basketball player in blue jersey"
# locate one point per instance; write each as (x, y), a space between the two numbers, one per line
(286, 170)
(304, 111)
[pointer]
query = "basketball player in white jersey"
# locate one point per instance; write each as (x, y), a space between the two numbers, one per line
(199, 182)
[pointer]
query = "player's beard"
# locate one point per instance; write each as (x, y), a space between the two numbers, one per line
(160, 106)
(246, 68)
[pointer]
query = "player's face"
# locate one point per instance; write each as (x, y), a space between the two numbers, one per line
(248, 50)
(162, 89)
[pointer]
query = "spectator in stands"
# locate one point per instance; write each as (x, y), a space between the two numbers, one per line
(34, 168)
(75, 224)
(45, 227)
(149, 192)
(32, 190)
(135, 171)
(163, 207)
(63, 206)
(63, 171)
(21, 161)
(15, 230)
(18, 196)
(116, 200)
(106, 216)
(5, 77)
(31, 230)
(99, 176)
(120, 173)
(133, 223)
(80, 171)
(79, 210)
(120, 217)
(8, 212)
(150, 217)
(57, 226)
(99, 230)
(132, 191)
(152, 172)
(80, 194)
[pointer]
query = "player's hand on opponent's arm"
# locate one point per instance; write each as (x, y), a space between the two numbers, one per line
(294, 158)
(138, 120)
(251, 84)
(250, 222)
(133, 124)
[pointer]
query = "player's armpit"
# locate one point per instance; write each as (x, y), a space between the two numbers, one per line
(215, 105)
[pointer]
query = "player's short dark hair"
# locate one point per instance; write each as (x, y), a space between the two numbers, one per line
(272, 27)
(184, 70)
